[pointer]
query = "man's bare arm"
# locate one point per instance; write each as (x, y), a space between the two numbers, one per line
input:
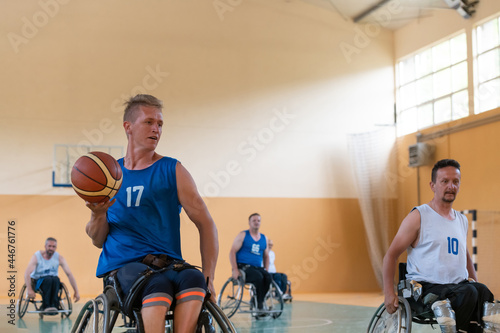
(71, 278)
(470, 267)
(406, 236)
(198, 213)
(97, 228)
(27, 276)
(266, 259)
(235, 247)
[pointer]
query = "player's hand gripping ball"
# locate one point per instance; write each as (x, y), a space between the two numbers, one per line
(96, 176)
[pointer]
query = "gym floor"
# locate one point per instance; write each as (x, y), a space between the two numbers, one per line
(343, 312)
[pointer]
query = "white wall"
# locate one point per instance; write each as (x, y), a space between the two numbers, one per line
(293, 76)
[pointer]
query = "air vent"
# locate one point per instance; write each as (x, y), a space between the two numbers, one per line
(420, 154)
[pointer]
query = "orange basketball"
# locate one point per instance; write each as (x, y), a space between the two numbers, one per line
(96, 176)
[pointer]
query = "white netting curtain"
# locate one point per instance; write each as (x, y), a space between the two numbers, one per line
(374, 165)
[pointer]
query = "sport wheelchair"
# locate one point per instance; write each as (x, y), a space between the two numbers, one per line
(23, 303)
(409, 310)
(99, 315)
(231, 299)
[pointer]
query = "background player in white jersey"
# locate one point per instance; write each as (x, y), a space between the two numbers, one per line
(281, 279)
(435, 237)
(43, 271)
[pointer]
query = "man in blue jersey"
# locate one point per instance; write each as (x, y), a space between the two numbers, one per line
(435, 237)
(42, 271)
(249, 253)
(142, 221)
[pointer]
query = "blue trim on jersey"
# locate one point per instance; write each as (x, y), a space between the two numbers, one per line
(251, 251)
(145, 217)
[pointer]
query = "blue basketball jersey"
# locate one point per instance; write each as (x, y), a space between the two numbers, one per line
(251, 251)
(145, 217)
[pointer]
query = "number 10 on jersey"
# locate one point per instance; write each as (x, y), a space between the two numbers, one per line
(452, 245)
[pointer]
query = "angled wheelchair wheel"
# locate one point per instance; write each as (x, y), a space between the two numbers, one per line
(83, 322)
(230, 296)
(398, 322)
(273, 302)
(213, 319)
(22, 302)
(114, 308)
(65, 304)
(94, 317)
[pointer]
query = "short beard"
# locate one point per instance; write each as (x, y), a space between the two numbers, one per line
(449, 200)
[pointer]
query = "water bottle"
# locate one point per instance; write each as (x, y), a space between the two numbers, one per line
(445, 316)
(491, 317)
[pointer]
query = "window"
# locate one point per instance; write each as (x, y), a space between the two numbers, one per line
(487, 65)
(431, 86)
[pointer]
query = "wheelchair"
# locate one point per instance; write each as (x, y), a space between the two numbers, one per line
(231, 298)
(23, 303)
(288, 297)
(287, 293)
(408, 311)
(100, 315)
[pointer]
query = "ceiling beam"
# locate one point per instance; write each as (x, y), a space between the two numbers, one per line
(371, 9)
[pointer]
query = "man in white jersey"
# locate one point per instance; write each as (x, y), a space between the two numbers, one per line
(42, 274)
(435, 237)
(281, 279)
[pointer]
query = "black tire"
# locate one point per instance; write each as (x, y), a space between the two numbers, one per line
(113, 315)
(220, 322)
(65, 301)
(399, 321)
(94, 317)
(22, 302)
(230, 296)
(82, 323)
(273, 302)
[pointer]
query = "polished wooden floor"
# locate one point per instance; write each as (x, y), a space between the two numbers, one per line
(339, 312)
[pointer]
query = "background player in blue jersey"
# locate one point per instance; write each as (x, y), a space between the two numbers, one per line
(435, 237)
(143, 219)
(249, 252)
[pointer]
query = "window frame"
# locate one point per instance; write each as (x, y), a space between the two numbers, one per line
(476, 54)
(420, 104)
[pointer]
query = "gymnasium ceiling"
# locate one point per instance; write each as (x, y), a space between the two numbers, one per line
(366, 11)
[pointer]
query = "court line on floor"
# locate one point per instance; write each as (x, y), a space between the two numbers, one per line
(289, 325)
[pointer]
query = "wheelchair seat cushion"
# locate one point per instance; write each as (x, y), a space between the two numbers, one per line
(130, 280)
(419, 309)
(129, 273)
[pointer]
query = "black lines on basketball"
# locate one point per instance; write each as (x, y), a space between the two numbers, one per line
(96, 176)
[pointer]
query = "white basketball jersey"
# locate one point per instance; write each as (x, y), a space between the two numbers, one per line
(441, 253)
(46, 267)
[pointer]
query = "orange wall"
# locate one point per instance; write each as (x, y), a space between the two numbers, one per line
(320, 243)
(476, 149)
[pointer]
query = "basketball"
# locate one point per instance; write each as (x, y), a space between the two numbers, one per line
(96, 176)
